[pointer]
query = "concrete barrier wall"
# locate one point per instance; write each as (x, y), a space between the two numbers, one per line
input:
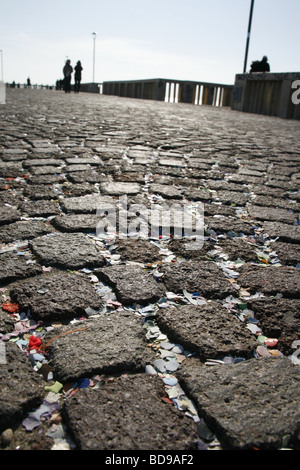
(174, 91)
(2, 93)
(266, 93)
(88, 87)
(142, 89)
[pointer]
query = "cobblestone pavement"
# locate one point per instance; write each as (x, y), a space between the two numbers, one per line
(130, 343)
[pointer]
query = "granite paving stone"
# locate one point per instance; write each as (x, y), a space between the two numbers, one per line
(42, 143)
(10, 185)
(136, 178)
(198, 194)
(132, 284)
(66, 250)
(203, 277)
(288, 254)
(285, 232)
(232, 197)
(7, 322)
(271, 280)
(44, 152)
(73, 168)
(282, 203)
(13, 267)
(109, 344)
(77, 189)
(244, 179)
(272, 214)
(14, 154)
(87, 204)
(282, 182)
(279, 318)
(282, 170)
(207, 330)
(90, 176)
(9, 215)
(219, 209)
(265, 190)
(10, 170)
(141, 251)
(226, 185)
(172, 162)
(247, 171)
(46, 179)
(221, 224)
(89, 160)
(40, 208)
(56, 296)
(239, 248)
(174, 220)
(11, 197)
(169, 192)
(24, 230)
(199, 163)
(36, 191)
(121, 423)
(162, 179)
(45, 170)
(181, 248)
(21, 387)
(75, 222)
(243, 402)
(42, 162)
(119, 188)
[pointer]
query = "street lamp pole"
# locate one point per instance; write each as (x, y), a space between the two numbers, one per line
(94, 38)
(248, 35)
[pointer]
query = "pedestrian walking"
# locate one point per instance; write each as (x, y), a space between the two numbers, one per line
(67, 71)
(78, 69)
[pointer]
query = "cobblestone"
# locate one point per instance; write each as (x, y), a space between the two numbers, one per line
(144, 343)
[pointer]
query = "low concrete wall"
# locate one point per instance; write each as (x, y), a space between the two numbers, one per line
(168, 90)
(2, 93)
(89, 87)
(153, 89)
(266, 93)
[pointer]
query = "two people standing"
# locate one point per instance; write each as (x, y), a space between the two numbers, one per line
(67, 71)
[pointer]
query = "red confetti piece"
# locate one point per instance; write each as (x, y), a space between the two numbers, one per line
(34, 342)
(9, 307)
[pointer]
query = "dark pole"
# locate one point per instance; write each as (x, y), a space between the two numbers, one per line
(248, 35)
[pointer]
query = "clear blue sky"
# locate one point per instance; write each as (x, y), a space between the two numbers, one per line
(201, 40)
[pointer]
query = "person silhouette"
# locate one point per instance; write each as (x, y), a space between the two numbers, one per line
(264, 65)
(78, 69)
(260, 65)
(67, 71)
